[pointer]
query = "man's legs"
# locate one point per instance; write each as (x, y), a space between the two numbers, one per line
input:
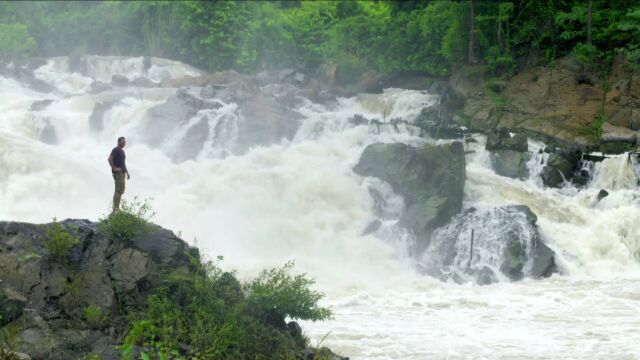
(119, 190)
(116, 201)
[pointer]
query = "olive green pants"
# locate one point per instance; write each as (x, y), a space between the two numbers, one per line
(118, 177)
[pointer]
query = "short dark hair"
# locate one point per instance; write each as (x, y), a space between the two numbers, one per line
(120, 138)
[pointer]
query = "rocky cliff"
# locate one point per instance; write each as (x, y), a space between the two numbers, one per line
(83, 303)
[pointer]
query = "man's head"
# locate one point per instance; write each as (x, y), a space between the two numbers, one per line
(122, 141)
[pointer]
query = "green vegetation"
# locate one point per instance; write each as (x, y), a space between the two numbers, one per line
(59, 242)
(204, 313)
(15, 41)
(430, 36)
(130, 221)
(594, 129)
(95, 317)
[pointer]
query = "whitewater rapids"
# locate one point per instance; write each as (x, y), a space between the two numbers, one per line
(299, 200)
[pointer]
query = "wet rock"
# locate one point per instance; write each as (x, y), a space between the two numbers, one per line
(40, 104)
(323, 353)
(143, 82)
(372, 227)
(119, 80)
(485, 276)
(96, 119)
(48, 133)
(602, 194)
(510, 163)
(506, 240)
(430, 179)
(358, 119)
(98, 87)
(502, 140)
(561, 166)
(509, 154)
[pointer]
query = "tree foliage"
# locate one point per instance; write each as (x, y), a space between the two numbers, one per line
(429, 36)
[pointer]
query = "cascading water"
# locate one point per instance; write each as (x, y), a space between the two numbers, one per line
(300, 199)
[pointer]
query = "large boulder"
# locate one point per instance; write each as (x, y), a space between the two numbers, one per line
(510, 163)
(506, 245)
(509, 154)
(430, 179)
(561, 166)
(502, 140)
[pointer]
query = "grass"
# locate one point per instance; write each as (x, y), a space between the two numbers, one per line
(132, 220)
(95, 317)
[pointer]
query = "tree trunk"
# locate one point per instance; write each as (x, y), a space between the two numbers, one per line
(500, 38)
(472, 34)
(589, 23)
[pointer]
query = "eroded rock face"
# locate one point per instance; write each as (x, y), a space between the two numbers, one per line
(108, 273)
(430, 179)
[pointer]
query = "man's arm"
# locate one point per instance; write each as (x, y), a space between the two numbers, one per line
(113, 168)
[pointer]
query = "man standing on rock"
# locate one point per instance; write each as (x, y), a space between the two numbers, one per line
(118, 170)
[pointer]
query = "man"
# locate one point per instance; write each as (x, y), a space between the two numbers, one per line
(118, 170)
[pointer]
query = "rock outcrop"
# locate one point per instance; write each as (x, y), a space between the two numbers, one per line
(46, 300)
(430, 179)
(566, 104)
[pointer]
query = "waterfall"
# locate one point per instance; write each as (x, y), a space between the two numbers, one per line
(298, 198)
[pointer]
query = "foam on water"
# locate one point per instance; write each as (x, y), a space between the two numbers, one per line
(301, 200)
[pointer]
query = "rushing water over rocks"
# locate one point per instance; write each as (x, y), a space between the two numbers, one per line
(261, 201)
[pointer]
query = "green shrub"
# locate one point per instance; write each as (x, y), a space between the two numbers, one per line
(59, 242)
(95, 317)
(207, 310)
(276, 293)
(132, 220)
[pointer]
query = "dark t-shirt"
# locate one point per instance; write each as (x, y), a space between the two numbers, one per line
(118, 156)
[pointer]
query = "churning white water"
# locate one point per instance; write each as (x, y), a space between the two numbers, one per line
(301, 200)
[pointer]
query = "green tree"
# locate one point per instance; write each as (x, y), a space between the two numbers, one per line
(15, 41)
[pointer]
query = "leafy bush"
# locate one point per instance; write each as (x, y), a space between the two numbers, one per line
(59, 242)
(132, 220)
(207, 310)
(95, 317)
(276, 293)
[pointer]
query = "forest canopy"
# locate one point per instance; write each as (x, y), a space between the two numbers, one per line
(429, 36)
